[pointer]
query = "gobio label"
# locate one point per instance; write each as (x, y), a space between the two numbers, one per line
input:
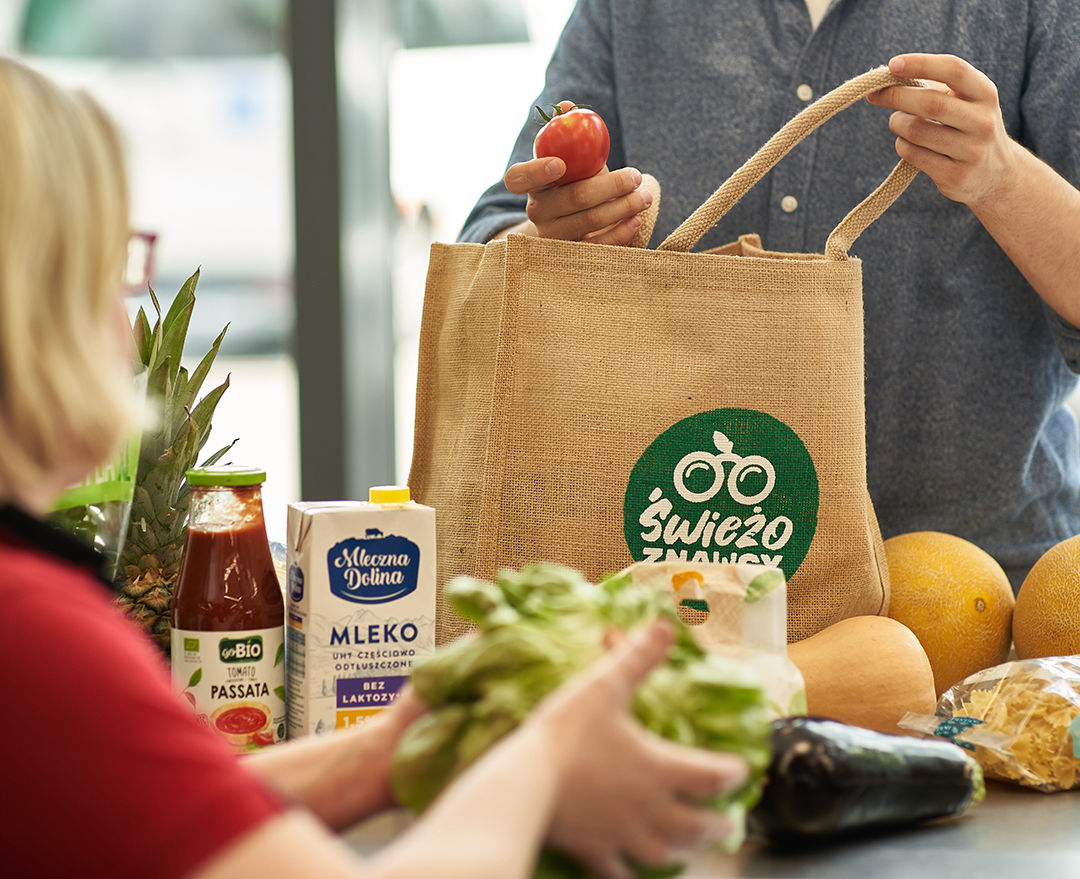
(240, 649)
(728, 485)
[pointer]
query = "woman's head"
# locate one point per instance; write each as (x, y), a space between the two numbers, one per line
(65, 393)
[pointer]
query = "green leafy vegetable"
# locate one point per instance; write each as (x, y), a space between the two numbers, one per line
(763, 584)
(538, 627)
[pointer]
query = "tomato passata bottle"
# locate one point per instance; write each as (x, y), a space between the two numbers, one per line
(228, 636)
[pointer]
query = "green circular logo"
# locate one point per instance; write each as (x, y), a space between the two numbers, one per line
(729, 485)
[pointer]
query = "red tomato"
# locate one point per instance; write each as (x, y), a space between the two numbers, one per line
(263, 737)
(579, 137)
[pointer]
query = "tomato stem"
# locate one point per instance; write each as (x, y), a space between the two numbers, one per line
(557, 111)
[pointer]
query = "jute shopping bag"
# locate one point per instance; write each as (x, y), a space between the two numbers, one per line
(595, 405)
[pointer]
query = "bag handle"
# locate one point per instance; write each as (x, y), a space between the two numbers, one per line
(649, 215)
(779, 145)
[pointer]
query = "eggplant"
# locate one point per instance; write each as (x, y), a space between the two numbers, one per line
(828, 779)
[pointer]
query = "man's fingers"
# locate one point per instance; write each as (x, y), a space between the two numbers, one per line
(534, 175)
(595, 221)
(619, 234)
(920, 109)
(946, 172)
(952, 92)
(573, 198)
(940, 107)
(890, 96)
(945, 140)
(961, 77)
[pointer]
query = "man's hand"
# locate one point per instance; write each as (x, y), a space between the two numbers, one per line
(953, 131)
(602, 209)
(952, 128)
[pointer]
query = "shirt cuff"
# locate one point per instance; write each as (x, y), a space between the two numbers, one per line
(1067, 338)
(482, 230)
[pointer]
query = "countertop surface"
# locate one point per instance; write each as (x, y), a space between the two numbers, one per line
(1013, 833)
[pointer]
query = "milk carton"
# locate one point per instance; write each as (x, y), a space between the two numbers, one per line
(361, 606)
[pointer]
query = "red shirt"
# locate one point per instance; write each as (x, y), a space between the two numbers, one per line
(106, 771)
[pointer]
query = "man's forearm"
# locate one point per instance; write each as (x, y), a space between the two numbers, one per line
(1035, 219)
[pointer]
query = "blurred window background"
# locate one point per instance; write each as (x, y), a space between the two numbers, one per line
(203, 91)
(460, 88)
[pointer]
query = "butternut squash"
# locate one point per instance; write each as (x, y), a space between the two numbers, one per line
(867, 671)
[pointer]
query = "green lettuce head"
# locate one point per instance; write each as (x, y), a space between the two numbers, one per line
(538, 627)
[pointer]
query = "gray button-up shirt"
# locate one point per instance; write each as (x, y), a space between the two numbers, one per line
(967, 371)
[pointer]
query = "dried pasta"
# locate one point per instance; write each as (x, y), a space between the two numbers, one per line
(1022, 719)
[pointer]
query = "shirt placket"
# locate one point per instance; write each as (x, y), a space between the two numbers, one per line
(791, 181)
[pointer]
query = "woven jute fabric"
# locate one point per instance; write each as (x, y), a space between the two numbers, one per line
(547, 367)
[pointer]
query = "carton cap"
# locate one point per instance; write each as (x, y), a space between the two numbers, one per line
(388, 494)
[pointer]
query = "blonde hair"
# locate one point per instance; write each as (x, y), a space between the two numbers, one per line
(65, 390)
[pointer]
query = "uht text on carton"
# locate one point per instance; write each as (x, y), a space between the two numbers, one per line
(361, 606)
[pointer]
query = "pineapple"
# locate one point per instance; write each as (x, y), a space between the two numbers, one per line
(149, 562)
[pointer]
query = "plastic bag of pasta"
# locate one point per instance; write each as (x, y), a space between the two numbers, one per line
(1021, 719)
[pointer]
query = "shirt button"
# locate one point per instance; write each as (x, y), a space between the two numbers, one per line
(788, 204)
(804, 92)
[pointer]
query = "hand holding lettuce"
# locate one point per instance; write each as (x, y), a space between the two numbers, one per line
(538, 628)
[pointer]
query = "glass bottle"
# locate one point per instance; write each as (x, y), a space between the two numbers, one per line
(228, 614)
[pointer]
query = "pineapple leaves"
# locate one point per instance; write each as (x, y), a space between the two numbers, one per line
(210, 462)
(154, 530)
(202, 370)
(174, 332)
(155, 339)
(181, 428)
(193, 435)
(143, 336)
(201, 414)
(178, 403)
(166, 340)
(219, 454)
(164, 480)
(169, 384)
(184, 300)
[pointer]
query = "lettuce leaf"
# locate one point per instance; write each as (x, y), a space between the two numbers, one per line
(539, 626)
